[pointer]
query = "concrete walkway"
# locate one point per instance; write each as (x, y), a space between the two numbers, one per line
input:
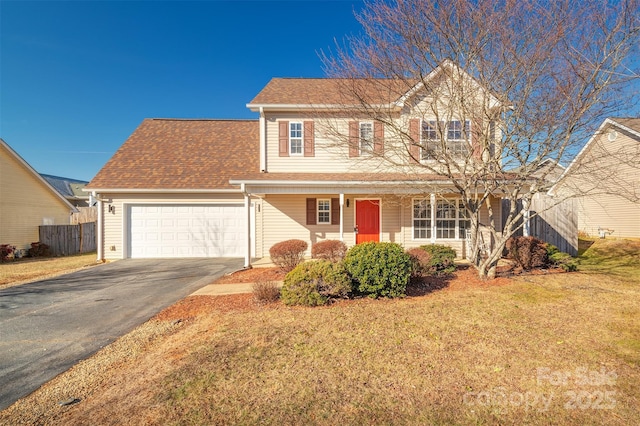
(224, 289)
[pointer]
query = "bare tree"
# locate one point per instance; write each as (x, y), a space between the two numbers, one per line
(529, 80)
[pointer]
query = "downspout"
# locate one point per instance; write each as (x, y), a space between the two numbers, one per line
(99, 226)
(263, 141)
(247, 206)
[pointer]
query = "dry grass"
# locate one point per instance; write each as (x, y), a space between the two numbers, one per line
(266, 291)
(514, 353)
(25, 270)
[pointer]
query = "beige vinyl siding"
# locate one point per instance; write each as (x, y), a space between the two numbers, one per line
(284, 217)
(331, 136)
(259, 224)
(331, 153)
(115, 226)
(604, 180)
(610, 212)
(25, 204)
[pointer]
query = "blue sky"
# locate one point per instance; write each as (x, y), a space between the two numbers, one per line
(77, 77)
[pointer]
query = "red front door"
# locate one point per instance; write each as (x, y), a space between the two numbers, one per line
(367, 220)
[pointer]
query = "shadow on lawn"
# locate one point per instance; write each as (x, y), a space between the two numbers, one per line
(421, 286)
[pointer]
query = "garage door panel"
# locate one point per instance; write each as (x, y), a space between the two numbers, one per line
(186, 230)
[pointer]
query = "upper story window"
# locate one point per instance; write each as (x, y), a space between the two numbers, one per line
(456, 132)
(430, 140)
(295, 138)
(324, 211)
(366, 137)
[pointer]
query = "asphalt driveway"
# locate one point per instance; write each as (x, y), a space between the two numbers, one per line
(48, 326)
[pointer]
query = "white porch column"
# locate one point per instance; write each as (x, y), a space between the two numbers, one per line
(432, 201)
(341, 217)
(525, 217)
(247, 207)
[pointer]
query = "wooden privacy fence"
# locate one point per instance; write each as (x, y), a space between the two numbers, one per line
(84, 215)
(555, 223)
(552, 221)
(64, 240)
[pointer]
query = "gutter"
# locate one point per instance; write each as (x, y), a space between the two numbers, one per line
(315, 107)
(163, 191)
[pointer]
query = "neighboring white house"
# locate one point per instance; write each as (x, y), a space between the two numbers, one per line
(604, 178)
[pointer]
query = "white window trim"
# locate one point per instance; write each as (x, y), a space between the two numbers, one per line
(318, 221)
(433, 202)
(360, 148)
(466, 124)
(413, 219)
(291, 138)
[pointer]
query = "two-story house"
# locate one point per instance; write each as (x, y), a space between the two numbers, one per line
(319, 163)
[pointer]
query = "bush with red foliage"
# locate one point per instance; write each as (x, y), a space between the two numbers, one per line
(288, 254)
(528, 252)
(420, 262)
(5, 252)
(331, 250)
(39, 249)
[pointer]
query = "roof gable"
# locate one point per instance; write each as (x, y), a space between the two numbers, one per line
(14, 156)
(628, 124)
(303, 93)
(166, 154)
(299, 92)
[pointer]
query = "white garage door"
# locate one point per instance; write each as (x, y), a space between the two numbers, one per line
(213, 230)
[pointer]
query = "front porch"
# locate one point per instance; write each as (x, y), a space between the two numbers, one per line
(408, 213)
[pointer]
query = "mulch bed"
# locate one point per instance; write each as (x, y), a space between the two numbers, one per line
(252, 275)
(465, 277)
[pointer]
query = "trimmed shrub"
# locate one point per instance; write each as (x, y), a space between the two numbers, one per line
(39, 249)
(564, 261)
(266, 291)
(528, 252)
(379, 269)
(420, 262)
(442, 258)
(315, 283)
(288, 254)
(551, 249)
(6, 252)
(332, 250)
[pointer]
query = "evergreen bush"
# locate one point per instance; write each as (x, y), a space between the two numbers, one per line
(315, 283)
(379, 269)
